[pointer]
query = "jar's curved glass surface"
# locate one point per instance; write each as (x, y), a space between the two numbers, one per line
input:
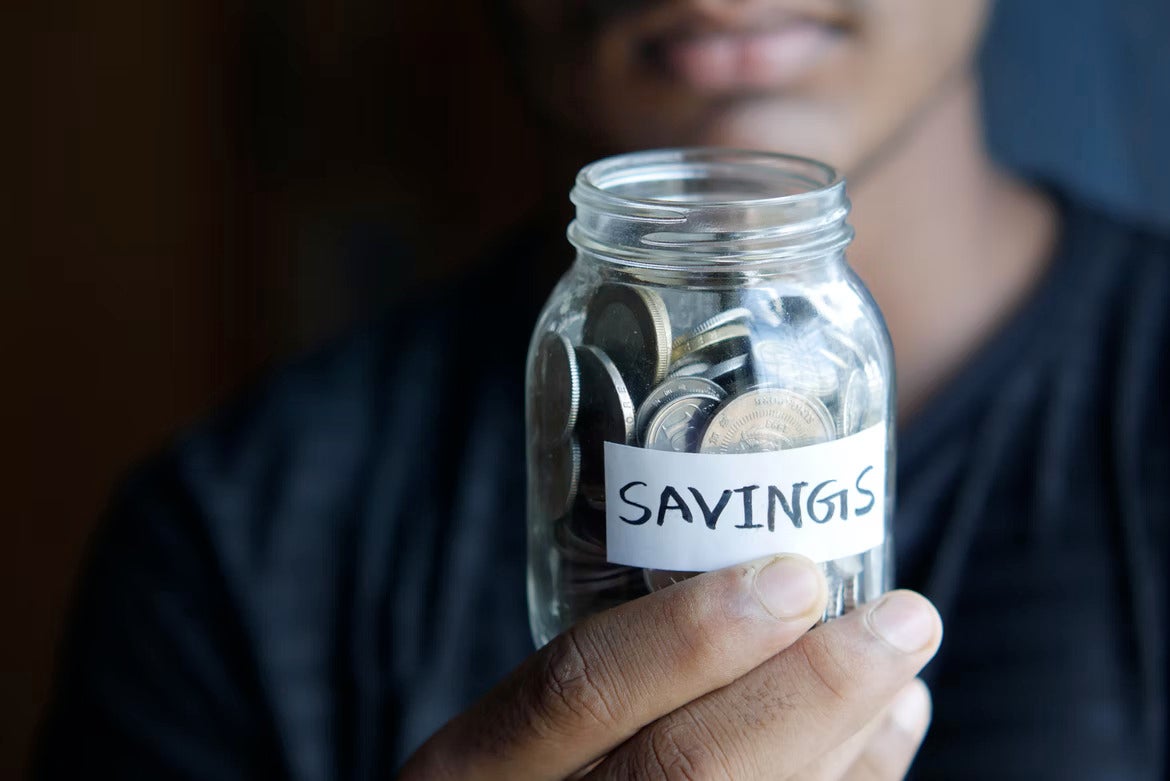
(706, 282)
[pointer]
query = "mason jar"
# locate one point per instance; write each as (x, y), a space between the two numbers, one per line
(709, 383)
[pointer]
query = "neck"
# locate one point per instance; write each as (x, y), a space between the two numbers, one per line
(948, 244)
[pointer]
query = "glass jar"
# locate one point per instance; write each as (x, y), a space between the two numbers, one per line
(709, 383)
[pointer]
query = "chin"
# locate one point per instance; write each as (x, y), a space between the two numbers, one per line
(800, 128)
(772, 126)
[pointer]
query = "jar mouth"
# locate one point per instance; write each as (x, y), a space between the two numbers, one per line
(706, 176)
(727, 206)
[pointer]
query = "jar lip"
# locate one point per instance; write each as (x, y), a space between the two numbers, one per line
(598, 180)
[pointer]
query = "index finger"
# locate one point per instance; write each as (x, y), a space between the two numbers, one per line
(597, 684)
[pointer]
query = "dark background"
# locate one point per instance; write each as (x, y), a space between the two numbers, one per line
(193, 190)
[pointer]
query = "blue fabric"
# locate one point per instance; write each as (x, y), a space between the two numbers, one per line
(1078, 92)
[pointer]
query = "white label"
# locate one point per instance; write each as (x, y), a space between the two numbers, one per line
(701, 511)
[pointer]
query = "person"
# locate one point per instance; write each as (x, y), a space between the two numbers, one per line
(315, 582)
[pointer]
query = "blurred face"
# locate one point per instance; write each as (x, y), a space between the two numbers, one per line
(831, 79)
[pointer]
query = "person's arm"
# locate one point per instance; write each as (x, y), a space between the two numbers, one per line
(155, 677)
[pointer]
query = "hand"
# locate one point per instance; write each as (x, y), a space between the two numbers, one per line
(715, 677)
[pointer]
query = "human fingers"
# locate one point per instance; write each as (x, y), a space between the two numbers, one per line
(896, 729)
(888, 754)
(601, 681)
(781, 716)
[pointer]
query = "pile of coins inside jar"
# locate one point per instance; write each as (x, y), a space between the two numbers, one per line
(765, 373)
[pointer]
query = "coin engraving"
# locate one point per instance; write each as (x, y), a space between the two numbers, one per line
(672, 388)
(677, 425)
(764, 420)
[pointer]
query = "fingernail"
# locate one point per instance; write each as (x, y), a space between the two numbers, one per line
(788, 586)
(904, 620)
(910, 711)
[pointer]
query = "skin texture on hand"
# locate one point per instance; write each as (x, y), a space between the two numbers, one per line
(715, 677)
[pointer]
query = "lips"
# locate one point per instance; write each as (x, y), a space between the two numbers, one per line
(729, 47)
(746, 58)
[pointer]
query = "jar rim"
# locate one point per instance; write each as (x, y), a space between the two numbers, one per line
(707, 205)
(600, 178)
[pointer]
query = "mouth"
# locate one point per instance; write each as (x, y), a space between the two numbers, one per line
(744, 56)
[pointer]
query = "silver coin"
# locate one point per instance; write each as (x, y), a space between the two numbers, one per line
(630, 324)
(767, 419)
(713, 346)
(796, 310)
(711, 323)
(690, 369)
(835, 604)
(606, 414)
(559, 473)
(854, 403)
(672, 388)
(557, 393)
(677, 425)
(875, 384)
(850, 593)
(735, 374)
(787, 363)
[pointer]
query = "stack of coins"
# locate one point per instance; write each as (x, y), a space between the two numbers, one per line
(764, 374)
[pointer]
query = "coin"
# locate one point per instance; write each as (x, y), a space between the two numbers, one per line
(875, 384)
(788, 363)
(713, 346)
(560, 472)
(630, 324)
(671, 388)
(850, 594)
(723, 318)
(734, 374)
(767, 419)
(796, 310)
(677, 425)
(557, 392)
(606, 414)
(854, 403)
(690, 369)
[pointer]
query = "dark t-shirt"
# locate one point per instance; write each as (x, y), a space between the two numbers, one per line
(311, 584)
